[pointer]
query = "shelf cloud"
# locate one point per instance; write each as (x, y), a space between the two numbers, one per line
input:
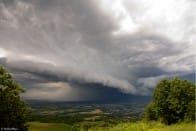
(59, 49)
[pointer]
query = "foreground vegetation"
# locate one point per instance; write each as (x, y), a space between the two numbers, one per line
(173, 101)
(37, 126)
(136, 126)
(13, 110)
(153, 126)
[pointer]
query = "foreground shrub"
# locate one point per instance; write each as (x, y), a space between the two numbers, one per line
(173, 101)
(13, 110)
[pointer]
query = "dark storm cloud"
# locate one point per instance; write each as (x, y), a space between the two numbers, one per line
(63, 47)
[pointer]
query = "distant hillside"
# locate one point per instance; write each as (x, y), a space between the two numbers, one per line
(124, 99)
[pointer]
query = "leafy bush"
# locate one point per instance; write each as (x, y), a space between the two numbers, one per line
(12, 109)
(150, 113)
(173, 101)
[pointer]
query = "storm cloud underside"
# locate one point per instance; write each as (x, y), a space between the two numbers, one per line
(75, 50)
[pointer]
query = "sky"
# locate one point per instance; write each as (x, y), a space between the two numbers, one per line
(78, 50)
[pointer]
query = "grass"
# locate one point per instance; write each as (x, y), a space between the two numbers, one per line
(152, 126)
(137, 126)
(37, 126)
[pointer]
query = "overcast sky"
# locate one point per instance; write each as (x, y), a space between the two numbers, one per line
(76, 50)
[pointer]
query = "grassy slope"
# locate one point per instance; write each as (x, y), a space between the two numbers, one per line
(138, 126)
(152, 126)
(37, 126)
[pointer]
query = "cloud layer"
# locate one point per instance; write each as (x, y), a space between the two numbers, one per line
(59, 49)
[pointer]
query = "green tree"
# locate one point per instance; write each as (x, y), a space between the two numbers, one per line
(173, 101)
(13, 111)
(150, 112)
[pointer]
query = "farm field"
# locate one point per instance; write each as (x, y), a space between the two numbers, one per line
(96, 117)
